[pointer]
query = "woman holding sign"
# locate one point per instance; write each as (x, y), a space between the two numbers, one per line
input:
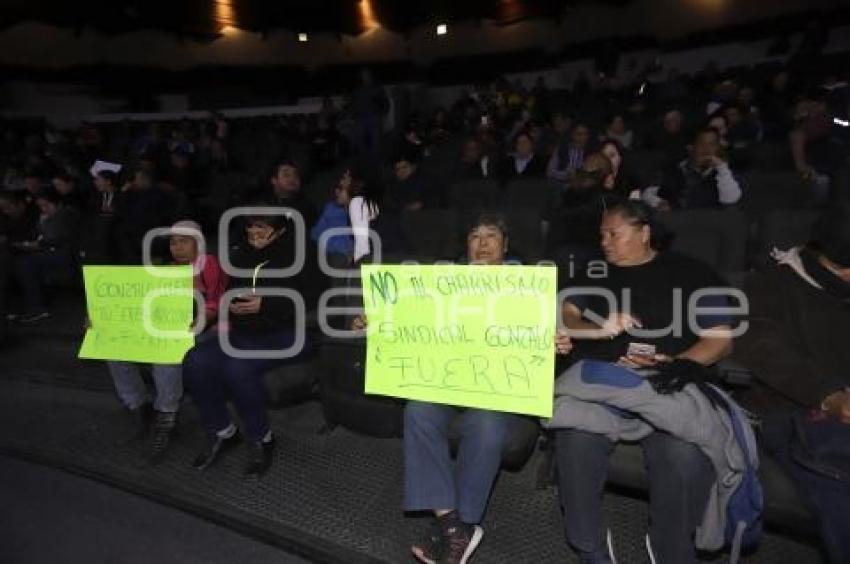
(458, 496)
(210, 281)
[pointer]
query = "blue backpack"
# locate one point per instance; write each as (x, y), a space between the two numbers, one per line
(744, 526)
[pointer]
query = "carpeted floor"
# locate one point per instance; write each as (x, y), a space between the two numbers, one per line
(329, 497)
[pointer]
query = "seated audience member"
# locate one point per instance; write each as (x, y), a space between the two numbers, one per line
(103, 202)
(743, 136)
(816, 157)
(33, 184)
(99, 243)
(457, 494)
(66, 187)
(211, 282)
(474, 164)
(568, 157)
(604, 335)
(777, 102)
(18, 220)
(340, 248)
(703, 180)
(796, 345)
(616, 129)
(257, 322)
(286, 191)
(522, 162)
(408, 191)
(574, 227)
(557, 132)
(672, 139)
(183, 174)
(620, 181)
(718, 123)
(141, 207)
(50, 253)
(364, 213)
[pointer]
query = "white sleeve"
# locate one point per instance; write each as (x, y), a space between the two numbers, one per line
(358, 213)
(650, 196)
(728, 190)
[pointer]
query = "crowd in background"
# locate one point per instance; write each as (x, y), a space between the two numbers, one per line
(89, 195)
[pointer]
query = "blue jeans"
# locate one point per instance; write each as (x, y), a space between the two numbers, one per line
(429, 480)
(680, 477)
(212, 375)
(133, 393)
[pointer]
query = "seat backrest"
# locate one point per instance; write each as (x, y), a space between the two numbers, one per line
(431, 232)
(776, 190)
(717, 237)
(525, 235)
(474, 194)
(532, 193)
(320, 188)
(647, 165)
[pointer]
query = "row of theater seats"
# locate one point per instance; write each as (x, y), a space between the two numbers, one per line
(731, 240)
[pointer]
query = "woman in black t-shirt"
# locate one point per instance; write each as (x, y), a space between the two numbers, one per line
(634, 311)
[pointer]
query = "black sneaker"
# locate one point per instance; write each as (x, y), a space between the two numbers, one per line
(432, 547)
(214, 449)
(260, 456)
(461, 540)
(163, 430)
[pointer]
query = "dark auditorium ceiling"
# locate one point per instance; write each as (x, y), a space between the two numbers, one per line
(204, 19)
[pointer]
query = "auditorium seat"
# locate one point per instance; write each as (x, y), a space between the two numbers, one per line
(647, 165)
(342, 376)
(538, 194)
(525, 234)
(776, 190)
(474, 194)
(772, 157)
(431, 232)
(319, 189)
(342, 380)
(718, 237)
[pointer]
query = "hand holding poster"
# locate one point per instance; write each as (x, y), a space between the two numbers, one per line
(137, 314)
(475, 336)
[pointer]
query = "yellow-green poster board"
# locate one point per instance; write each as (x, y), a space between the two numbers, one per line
(474, 336)
(138, 314)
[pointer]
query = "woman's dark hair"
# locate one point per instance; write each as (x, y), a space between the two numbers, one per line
(637, 213)
(365, 182)
(489, 219)
(109, 175)
(275, 221)
(285, 162)
(831, 234)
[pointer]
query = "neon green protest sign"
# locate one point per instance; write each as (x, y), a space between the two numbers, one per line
(138, 314)
(474, 336)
